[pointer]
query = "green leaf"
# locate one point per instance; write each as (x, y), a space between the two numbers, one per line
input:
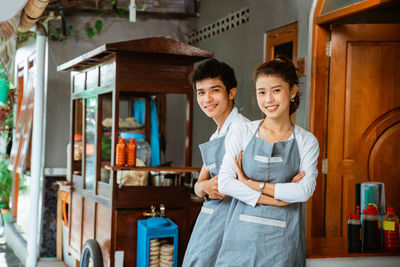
(57, 34)
(121, 12)
(112, 2)
(99, 25)
(90, 32)
(68, 32)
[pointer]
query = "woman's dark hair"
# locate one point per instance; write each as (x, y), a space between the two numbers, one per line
(282, 67)
(213, 68)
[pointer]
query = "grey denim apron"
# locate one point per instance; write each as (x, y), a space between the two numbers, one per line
(206, 238)
(266, 235)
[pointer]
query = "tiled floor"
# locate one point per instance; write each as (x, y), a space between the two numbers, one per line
(7, 257)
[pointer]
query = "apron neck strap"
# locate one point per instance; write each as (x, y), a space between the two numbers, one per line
(291, 123)
(293, 127)
(258, 127)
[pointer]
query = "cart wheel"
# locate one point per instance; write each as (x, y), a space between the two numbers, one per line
(91, 253)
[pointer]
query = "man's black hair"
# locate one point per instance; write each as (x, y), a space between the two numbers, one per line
(213, 68)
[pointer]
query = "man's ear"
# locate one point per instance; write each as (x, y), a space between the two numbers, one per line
(232, 93)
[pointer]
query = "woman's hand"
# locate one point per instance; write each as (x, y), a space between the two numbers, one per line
(210, 187)
(298, 177)
(238, 163)
(267, 200)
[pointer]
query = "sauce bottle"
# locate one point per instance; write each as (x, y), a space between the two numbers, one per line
(354, 232)
(132, 153)
(391, 230)
(371, 238)
(121, 153)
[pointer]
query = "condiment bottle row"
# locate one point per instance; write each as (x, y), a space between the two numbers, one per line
(132, 150)
(373, 234)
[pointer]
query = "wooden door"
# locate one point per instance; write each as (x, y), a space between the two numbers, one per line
(364, 117)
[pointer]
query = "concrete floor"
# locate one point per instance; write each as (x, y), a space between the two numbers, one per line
(7, 256)
(51, 263)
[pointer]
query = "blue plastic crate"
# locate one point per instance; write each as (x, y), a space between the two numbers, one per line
(154, 228)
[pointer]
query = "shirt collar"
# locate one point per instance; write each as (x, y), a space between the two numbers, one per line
(231, 117)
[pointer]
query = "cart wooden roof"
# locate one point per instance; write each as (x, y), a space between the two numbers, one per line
(153, 45)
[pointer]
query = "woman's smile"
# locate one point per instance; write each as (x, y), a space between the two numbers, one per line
(272, 108)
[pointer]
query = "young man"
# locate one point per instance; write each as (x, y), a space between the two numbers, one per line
(215, 86)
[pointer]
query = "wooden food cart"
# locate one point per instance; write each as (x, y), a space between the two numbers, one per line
(100, 208)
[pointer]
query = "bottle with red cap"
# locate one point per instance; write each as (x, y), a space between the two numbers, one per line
(131, 161)
(354, 232)
(120, 159)
(371, 237)
(391, 230)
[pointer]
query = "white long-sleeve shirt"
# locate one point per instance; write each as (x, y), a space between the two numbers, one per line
(237, 140)
(233, 118)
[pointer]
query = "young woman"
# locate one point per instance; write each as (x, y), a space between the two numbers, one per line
(215, 86)
(277, 161)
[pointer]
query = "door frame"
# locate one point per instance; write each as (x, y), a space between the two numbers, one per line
(282, 35)
(319, 89)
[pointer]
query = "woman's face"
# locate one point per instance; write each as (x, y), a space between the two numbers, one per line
(273, 96)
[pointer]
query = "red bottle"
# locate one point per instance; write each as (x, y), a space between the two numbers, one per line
(120, 159)
(391, 230)
(131, 153)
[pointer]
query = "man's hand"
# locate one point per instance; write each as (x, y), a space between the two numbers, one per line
(280, 203)
(210, 187)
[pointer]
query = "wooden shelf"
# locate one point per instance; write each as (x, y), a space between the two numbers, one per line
(336, 247)
(156, 169)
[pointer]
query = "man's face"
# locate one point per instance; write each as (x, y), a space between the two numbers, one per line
(213, 98)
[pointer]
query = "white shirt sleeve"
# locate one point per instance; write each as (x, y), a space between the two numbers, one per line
(236, 140)
(302, 191)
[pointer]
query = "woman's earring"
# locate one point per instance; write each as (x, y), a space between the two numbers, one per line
(292, 100)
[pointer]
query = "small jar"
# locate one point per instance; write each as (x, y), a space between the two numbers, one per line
(143, 149)
(391, 230)
(77, 147)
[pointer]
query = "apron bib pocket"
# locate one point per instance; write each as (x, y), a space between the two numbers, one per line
(263, 221)
(264, 159)
(207, 210)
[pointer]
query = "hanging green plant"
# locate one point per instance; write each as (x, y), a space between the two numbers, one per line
(4, 86)
(5, 183)
(6, 103)
(90, 32)
(121, 12)
(55, 36)
(98, 25)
